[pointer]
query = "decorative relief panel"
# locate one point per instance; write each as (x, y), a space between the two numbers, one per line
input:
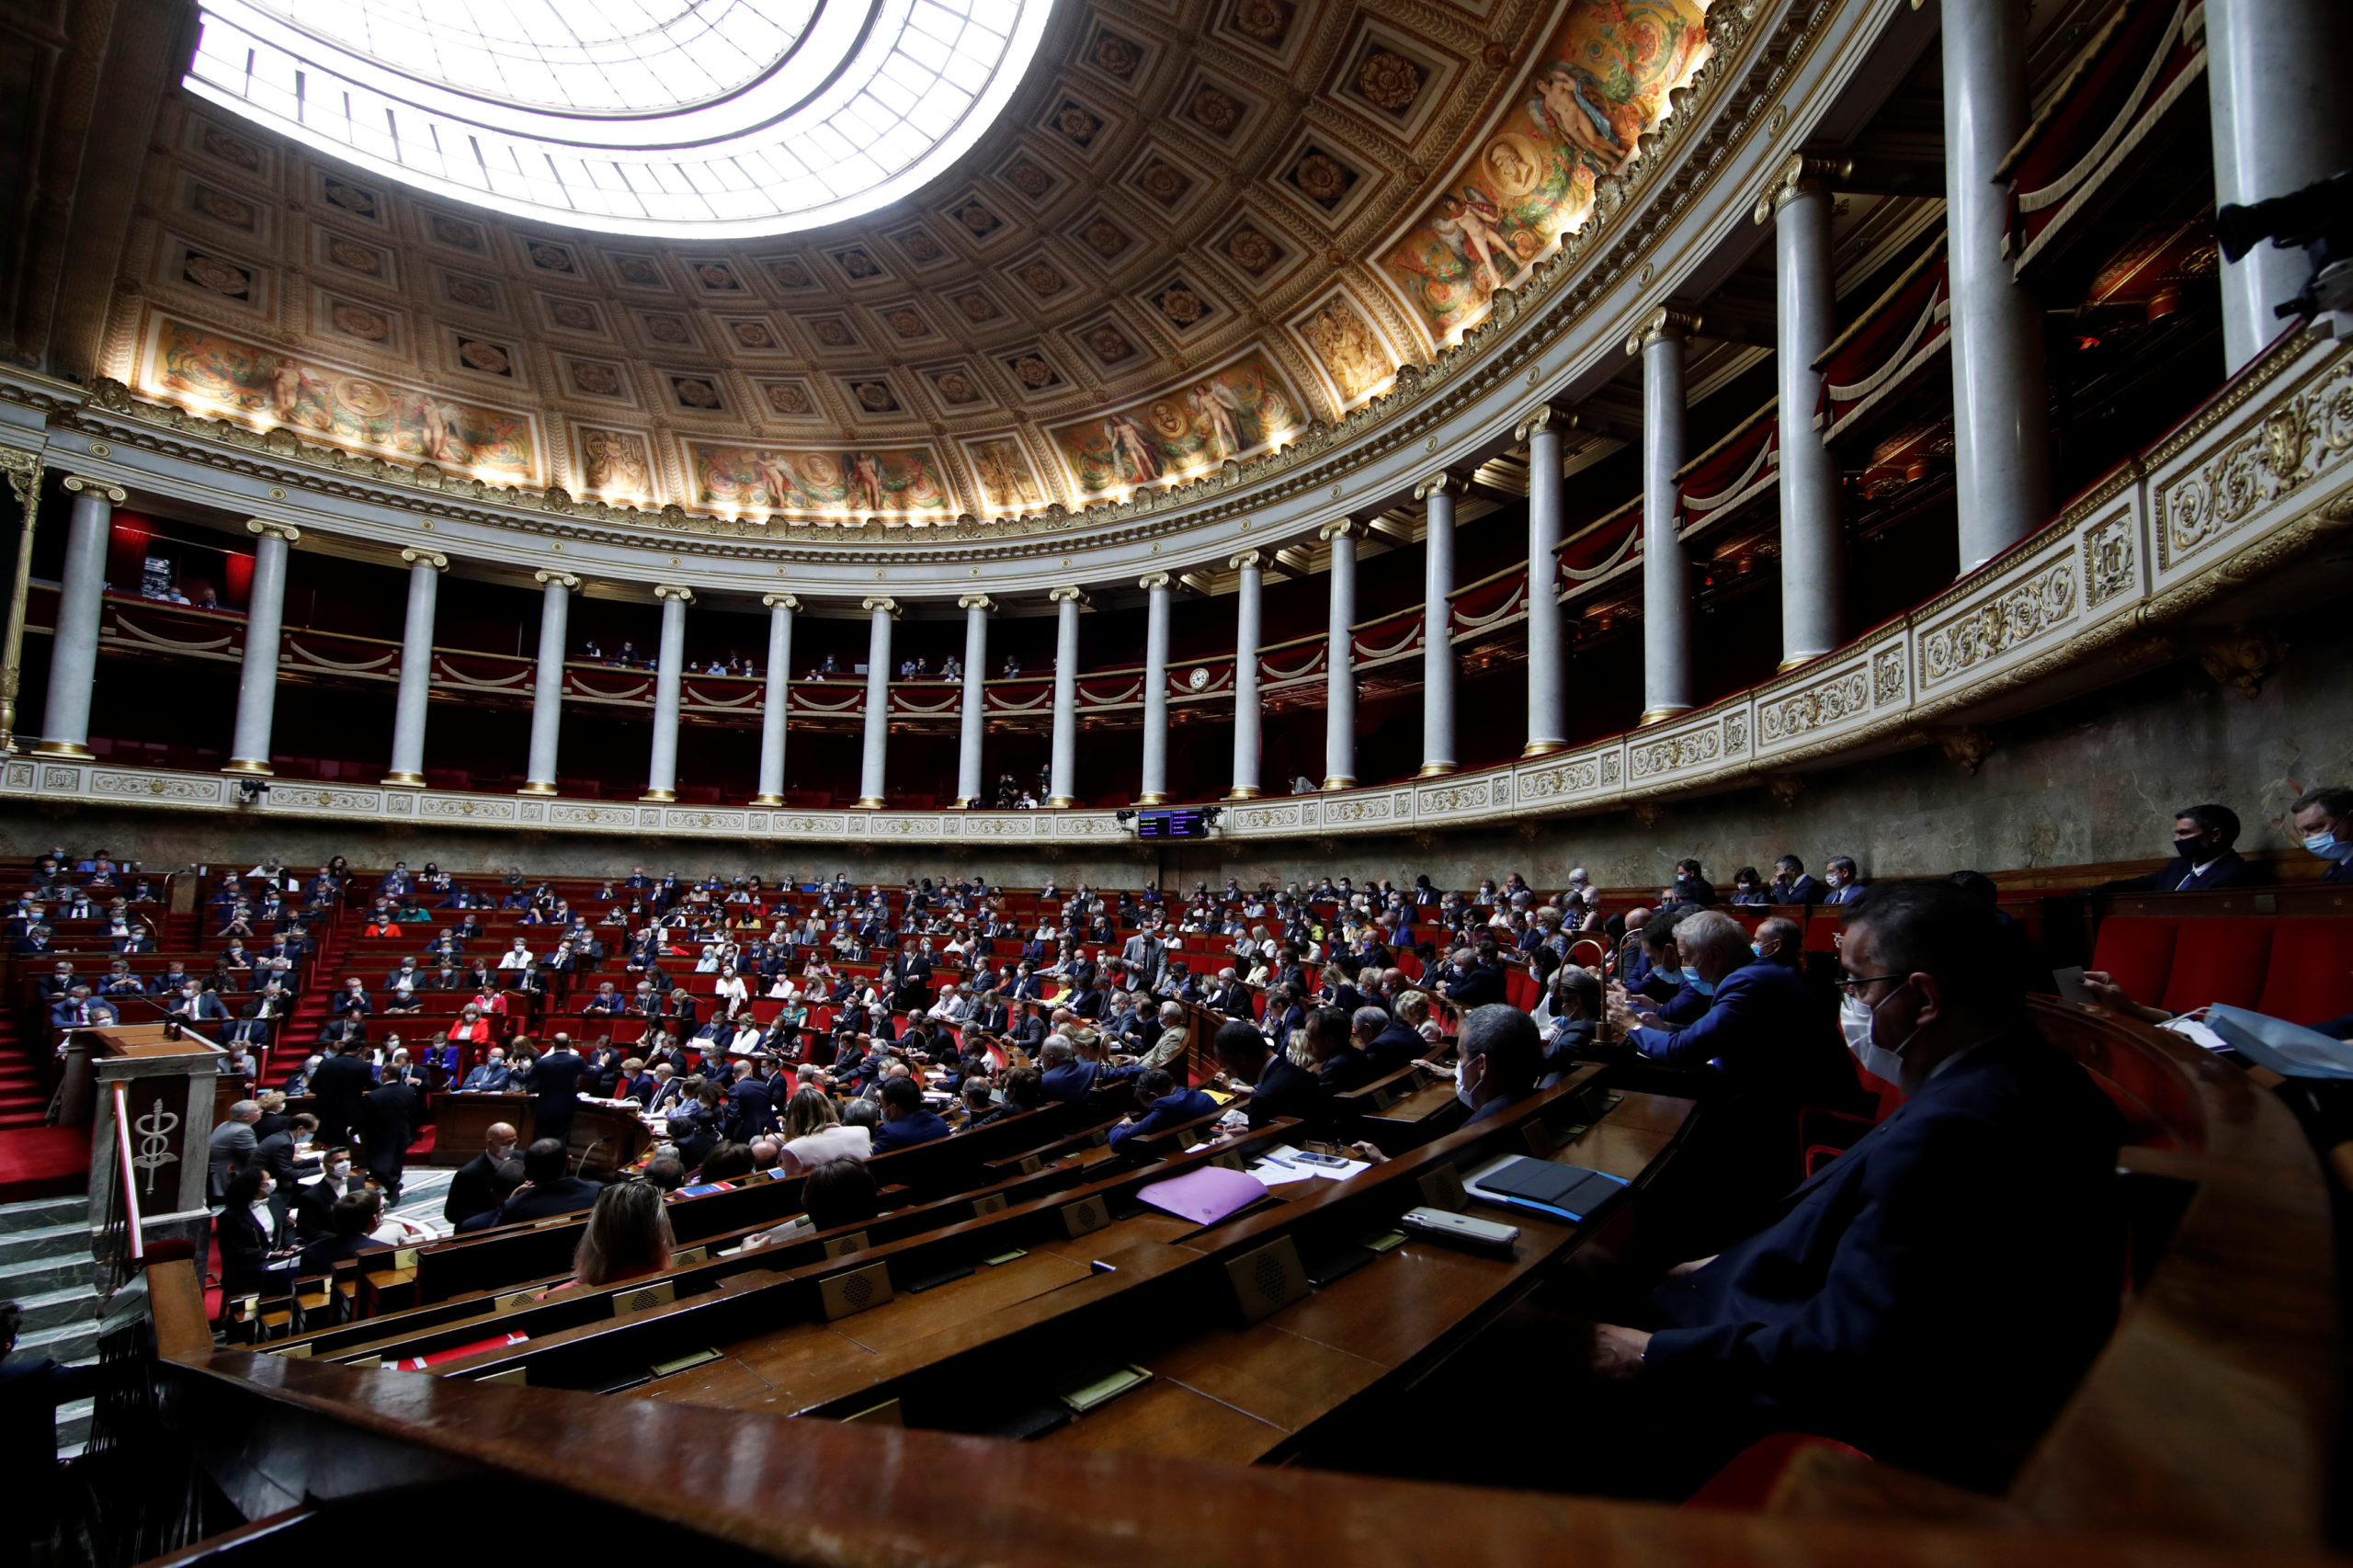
(2021, 614)
(906, 827)
(1693, 748)
(2297, 442)
(1887, 677)
(711, 821)
(1369, 810)
(592, 816)
(2112, 559)
(823, 826)
(155, 787)
(476, 809)
(1560, 779)
(1261, 819)
(69, 779)
(1736, 734)
(1088, 827)
(299, 796)
(1830, 702)
(20, 776)
(1468, 796)
(998, 827)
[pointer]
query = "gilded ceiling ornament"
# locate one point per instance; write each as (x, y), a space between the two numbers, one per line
(1390, 81)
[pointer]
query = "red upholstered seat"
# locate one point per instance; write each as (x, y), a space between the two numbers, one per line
(2138, 953)
(2217, 960)
(1521, 990)
(2310, 976)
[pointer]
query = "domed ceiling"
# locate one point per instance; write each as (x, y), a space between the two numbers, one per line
(1197, 228)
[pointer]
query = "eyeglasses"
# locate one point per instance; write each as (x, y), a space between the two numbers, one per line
(1848, 983)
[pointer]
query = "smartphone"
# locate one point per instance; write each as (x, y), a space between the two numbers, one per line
(2070, 981)
(1329, 1162)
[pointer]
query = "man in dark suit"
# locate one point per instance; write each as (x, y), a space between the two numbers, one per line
(2323, 819)
(1846, 881)
(338, 1086)
(555, 1090)
(1791, 885)
(1501, 1057)
(1067, 1078)
(910, 981)
(1691, 887)
(1163, 1105)
(1763, 1047)
(1276, 1086)
(751, 1108)
(348, 1223)
(473, 1186)
(386, 1117)
(1935, 1293)
(1232, 998)
(1480, 982)
(549, 1186)
(693, 1140)
(1339, 1065)
(1386, 1042)
(2202, 856)
(906, 1122)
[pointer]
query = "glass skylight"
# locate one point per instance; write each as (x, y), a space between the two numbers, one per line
(710, 117)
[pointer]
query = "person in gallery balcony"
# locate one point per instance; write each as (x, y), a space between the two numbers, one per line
(2201, 838)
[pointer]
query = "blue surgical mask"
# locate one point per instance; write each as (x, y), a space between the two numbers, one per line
(1756, 947)
(1704, 987)
(2328, 847)
(1670, 975)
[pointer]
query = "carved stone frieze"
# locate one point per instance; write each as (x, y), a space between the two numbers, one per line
(1834, 701)
(2022, 613)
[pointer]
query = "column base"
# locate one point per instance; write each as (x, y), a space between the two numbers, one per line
(404, 780)
(1340, 781)
(537, 786)
(963, 803)
(1796, 660)
(1661, 715)
(1243, 792)
(869, 802)
(248, 767)
(1436, 770)
(61, 748)
(768, 800)
(1152, 799)
(659, 797)
(1542, 748)
(1059, 802)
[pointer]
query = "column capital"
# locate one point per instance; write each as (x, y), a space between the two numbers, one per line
(1343, 528)
(432, 558)
(1153, 580)
(672, 591)
(1439, 483)
(1664, 323)
(1070, 593)
(1245, 560)
(1542, 417)
(565, 580)
(272, 529)
(780, 601)
(975, 601)
(101, 487)
(1799, 174)
(879, 604)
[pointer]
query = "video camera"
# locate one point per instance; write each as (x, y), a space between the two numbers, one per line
(2318, 219)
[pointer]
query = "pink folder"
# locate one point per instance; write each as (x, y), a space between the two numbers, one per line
(1204, 1196)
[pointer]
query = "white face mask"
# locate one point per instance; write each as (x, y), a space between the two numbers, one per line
(1462, 1090)
(339, 1169)
(1856, 1018)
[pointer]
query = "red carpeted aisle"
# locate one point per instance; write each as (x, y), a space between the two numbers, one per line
(43, 1162)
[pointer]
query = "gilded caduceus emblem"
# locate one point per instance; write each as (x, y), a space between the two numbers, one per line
(154, 1131)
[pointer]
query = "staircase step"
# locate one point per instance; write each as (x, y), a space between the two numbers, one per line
(48, 1276)
(59, 1308)
(74, 1341)
(40, 1213)
(39, 1243)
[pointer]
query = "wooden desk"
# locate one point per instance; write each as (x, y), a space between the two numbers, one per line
(461, 1121)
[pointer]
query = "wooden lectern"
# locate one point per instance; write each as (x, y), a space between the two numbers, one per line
(169, 1087)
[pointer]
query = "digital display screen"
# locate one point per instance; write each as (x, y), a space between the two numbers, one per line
(1171, 824)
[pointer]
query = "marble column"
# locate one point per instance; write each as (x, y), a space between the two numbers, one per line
(257, 673)
(2274, 82)
(972, 788)
(1437, 495)
(425, 569)
(870, 785)
(1548, 662)
(1813, 540)
(1155, 690)
(24, 472)
(1247, 615)
(2001, 411)
(547, 687)
(1667, 582)
(1340, 671)
(1062, 779)
(81, 602)
(669, 672)
(776, 693)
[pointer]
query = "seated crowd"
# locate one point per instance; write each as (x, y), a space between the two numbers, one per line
(1929, 1295)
